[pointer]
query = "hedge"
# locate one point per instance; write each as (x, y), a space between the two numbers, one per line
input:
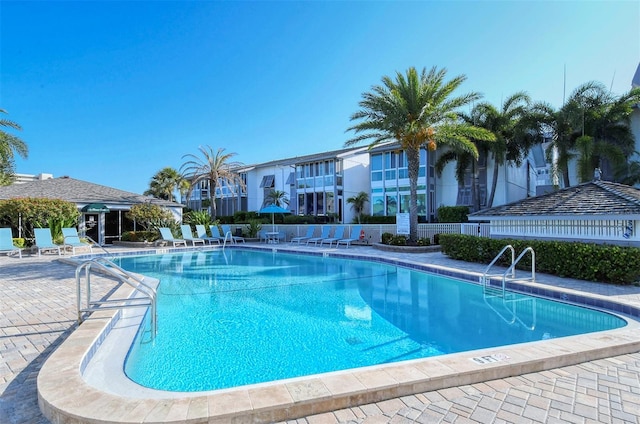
(583, 261)
(453, 214)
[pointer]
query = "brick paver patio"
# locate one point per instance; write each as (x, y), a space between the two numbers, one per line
(37, 304)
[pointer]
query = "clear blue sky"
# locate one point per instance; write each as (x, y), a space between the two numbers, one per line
(111, 92)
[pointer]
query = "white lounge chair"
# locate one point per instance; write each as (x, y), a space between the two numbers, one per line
(310, 231)
(201, 231)
(188, 235)
(167, 236)
(72, 240)
(44, 242)
(355, 236)
(6, 243)
(337, 235)
(325, 234)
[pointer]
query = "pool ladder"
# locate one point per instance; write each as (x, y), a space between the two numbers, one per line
(509, 301)
(144, 296)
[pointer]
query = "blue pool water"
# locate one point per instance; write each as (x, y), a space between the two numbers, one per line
(240, 317)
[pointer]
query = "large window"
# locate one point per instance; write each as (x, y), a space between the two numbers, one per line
(390, 189)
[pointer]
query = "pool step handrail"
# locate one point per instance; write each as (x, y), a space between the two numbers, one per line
(485, 278)
(229, 236)
(95, 244)
(139, 284)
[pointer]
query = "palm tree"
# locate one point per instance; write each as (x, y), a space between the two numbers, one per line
(600, 120)
(514, 131)
(418, 111)
(10, 145)
(357, 203)
(214, 168)
(164, 183)
(277, 197)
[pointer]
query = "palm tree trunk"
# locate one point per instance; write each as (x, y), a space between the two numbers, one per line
(413, 166)
(212, 199)
(494, 182)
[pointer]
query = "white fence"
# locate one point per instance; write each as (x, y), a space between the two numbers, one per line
(373, 232)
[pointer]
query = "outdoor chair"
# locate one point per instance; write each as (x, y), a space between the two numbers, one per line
(337, 235)
(355, 236)
(6, 243)
(72, 240)
(188, 235)
(310, 230)
(201, 231)
(44, 242)
(325, 234)
(167, 236)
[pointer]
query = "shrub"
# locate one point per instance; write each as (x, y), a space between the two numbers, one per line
(253, 227)
(583, 261)
(436, 238)
(453, 214)
(398, 240)
(386, 238)
(299, 219)
(151, 217)
(37, 213)
(377, 219)
(19, 242)
(197, 218)
(140, 236)
(424, 241)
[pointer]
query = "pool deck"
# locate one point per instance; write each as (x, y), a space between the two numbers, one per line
(37, 304)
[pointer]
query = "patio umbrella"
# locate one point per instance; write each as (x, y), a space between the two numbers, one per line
(273, 209)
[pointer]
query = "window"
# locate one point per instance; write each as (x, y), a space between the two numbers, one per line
(267, 181)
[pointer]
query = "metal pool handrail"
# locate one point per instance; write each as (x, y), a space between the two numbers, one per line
(139, 284)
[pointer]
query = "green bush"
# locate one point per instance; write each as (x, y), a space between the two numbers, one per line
(197, 218)
(385, 238)
(151, 217)
(398, 240)
(36, 213)
(453, 214)
(436, 238)
(299, 219)
(377, 219)
(19, 242)
(253, 227)
(140, 236)
(424, 241)
(583, 261)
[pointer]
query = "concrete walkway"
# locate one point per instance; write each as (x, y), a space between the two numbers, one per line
(37, 304)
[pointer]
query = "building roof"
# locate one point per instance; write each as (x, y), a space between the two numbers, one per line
(588, 199)
(635, 82)
(79, 192)
(297, 160)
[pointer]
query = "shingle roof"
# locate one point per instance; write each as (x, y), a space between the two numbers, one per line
(592, 198)
(77, 191)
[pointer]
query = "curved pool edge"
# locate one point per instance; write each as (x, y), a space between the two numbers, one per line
(64, 396)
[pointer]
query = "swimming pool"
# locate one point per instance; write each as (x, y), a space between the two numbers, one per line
(271, 316)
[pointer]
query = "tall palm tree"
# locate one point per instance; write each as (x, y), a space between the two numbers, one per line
(164, 184)
(357, 203)
(514, 131)
(10, 145)
(600, 120)
(277, 197)
(418, 110)
(214, 168)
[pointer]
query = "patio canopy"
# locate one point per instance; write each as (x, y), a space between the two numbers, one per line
(95, 208)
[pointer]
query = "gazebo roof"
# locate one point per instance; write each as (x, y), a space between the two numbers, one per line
(587, 199)
(79, 192)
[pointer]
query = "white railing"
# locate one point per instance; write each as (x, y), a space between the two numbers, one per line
(609, 230)
(373, 232)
